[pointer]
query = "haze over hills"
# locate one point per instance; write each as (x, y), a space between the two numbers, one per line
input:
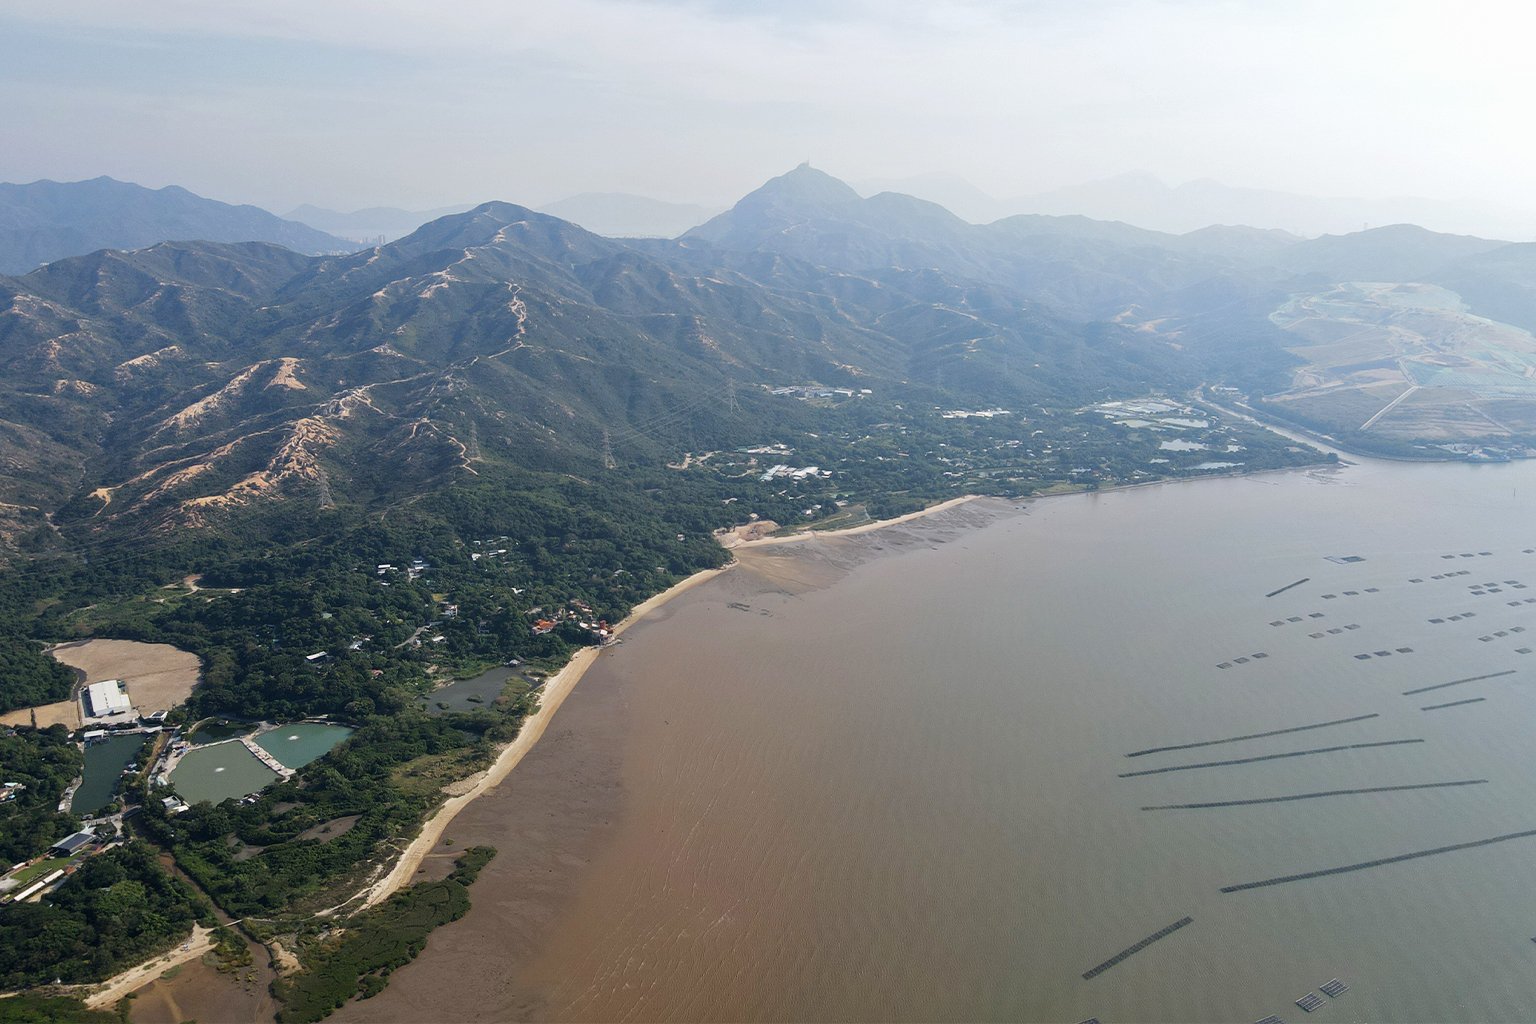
(366, 227)
(1146, 201)
(621, 215)
(49, 220)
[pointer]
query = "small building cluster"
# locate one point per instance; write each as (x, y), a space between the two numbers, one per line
(804, 391)
(790, 472)
(576, 611)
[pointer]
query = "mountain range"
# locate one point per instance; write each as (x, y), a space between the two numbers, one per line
(176, 383)
(615, 214)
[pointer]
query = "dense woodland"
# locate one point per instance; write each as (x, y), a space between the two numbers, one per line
(118, 909)
(29, 677)
(45, 761)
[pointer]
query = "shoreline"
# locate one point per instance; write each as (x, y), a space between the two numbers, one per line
(560, 685)
(135, 978)
(551, 696)
(869, 527)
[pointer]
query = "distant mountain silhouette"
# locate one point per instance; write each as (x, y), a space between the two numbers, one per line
(1146, 201)
(49, 220)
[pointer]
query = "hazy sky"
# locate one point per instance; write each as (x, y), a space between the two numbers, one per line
(347, 103)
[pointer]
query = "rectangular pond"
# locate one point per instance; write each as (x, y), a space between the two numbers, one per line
(220, 771)
(105, 760)
(469, 694)
(296, 745)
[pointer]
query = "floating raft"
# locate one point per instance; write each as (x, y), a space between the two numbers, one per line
(1132, 950)
(1310, 1001)
(1458, 682)
(1251, 736)
(1271, 1019)
(1334, 989)
(1267, 757)
(1380, 862)
(1315, 796)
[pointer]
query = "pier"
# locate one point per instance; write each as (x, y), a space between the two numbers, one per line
(266, 758)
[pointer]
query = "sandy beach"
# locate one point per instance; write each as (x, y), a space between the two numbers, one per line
(551, 696)
(113, 989)
(554, 693)
(732, 541)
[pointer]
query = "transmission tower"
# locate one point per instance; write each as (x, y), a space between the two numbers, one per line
(323, 484)
(608, 460)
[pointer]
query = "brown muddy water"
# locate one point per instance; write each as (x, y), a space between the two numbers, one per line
(885, 777)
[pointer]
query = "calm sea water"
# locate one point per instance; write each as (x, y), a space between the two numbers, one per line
(886, 777)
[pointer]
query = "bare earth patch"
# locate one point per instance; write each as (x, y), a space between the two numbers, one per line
(159, 676)
(65, 713)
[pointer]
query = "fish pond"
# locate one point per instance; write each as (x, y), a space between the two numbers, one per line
(297, 745)
(105, 760)
(227, 769)
(470, 694)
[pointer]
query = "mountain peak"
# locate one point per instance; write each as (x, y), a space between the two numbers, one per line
(806, 184)
(801, 195)
(506, 225)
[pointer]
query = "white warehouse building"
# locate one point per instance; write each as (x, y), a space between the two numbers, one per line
(107, 698)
